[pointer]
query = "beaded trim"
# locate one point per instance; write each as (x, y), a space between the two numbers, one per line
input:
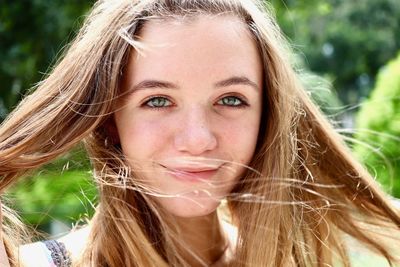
(59, 253)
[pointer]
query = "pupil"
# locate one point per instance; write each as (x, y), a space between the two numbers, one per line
(230, 101)
(158, 102)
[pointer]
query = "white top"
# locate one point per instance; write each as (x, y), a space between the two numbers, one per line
(37, 254)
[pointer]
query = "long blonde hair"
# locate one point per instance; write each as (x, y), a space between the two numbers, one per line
(301, 194)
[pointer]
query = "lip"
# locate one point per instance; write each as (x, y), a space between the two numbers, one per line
(189, 174)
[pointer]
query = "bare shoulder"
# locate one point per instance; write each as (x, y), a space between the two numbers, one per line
(38, 255)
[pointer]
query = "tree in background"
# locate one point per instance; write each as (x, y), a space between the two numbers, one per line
(378, 128)
(63, 192)
(344, 41)
(31, 34)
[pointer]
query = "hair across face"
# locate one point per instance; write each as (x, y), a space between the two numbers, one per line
(189, 121)
(185, 133)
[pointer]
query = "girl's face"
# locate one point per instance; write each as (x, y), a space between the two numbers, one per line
(190, 119)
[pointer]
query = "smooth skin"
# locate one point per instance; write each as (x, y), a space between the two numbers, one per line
(190, 119)
(193, 108)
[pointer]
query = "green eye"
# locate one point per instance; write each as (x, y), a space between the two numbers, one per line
(158, 102)
(232, 101)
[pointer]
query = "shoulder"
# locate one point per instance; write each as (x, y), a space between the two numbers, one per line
(38, 254)
(34, 254)
(75, 241)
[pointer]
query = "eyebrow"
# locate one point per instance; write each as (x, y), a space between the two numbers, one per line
(234, 80)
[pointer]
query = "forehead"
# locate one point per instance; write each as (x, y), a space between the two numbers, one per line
(204, 46)
(220, 23)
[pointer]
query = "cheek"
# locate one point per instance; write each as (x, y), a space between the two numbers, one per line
(239, 139)
(141, 139)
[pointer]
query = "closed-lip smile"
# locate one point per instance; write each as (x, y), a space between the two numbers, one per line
(191, 174)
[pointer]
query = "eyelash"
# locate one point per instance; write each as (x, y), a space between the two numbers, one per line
(242, 103)
(147, 101)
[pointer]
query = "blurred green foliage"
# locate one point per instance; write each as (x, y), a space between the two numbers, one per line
(378, 128)
(344, 41)
(32, 32)
(63, 190)
(55, 195)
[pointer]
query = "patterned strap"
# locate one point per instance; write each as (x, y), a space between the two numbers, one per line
(59, 253)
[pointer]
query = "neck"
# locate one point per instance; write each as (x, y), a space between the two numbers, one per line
(202, 239)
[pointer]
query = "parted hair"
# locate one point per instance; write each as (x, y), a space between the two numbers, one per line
(301, 197)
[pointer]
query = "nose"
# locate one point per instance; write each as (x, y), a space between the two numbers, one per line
(195, 134)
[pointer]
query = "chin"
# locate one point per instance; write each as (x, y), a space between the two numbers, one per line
(190, 207)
